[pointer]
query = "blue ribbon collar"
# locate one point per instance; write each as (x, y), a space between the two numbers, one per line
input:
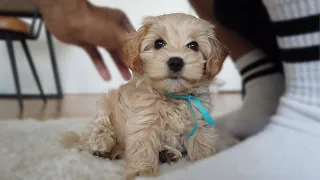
(201, 108)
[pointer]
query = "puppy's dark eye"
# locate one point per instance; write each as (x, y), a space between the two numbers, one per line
(193, 45)
(159, 44)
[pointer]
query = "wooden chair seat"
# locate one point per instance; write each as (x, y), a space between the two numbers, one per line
(13, 24)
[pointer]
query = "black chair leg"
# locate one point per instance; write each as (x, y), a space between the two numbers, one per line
(54, 64)
(14, 70)
(33, 68)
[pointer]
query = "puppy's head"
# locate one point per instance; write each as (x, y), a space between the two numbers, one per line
(176, 52)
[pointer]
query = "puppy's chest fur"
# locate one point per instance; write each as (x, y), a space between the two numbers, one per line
(144, 108)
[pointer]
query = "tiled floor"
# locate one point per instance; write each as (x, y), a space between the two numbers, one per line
(84, 105)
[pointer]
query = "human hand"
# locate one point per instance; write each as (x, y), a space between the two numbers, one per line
(80, 23)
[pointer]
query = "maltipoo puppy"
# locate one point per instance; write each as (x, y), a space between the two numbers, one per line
(163, 110)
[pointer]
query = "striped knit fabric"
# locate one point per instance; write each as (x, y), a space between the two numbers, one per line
(297, 25)
(253, 65)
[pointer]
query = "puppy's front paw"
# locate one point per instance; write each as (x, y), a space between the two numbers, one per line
(115, 153)
(169, 155)
(102, 154)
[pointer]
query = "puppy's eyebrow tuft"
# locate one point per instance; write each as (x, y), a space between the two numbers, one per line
(148, 47)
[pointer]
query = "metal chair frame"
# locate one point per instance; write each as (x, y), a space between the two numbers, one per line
(33, 34)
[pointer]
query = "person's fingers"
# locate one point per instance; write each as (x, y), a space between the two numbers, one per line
(97, 61)
(108, 30)
(105, 33)
(127, 25)
(121, 26)
(116, 56)
(121, 19)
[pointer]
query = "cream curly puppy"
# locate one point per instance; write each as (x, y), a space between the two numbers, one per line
(173, 53)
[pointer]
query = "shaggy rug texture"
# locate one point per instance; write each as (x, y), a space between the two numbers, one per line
(30, 150)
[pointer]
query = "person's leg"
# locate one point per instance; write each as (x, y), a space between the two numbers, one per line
(288, 148)
(263, 86)
(255, 53)
(255, 56)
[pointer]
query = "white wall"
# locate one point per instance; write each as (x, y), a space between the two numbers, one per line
(78, 75)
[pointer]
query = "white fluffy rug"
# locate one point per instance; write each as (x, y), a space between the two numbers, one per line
(30, 150)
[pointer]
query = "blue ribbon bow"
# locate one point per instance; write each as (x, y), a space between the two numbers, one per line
(201, 108)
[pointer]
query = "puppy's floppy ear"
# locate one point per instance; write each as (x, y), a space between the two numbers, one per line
(132, 47)
(216, 57)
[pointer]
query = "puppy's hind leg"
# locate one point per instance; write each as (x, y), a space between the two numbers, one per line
(99, 139)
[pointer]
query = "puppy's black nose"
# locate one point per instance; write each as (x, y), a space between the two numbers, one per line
(175, 64)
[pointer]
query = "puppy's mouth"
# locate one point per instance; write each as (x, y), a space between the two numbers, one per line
(178, 77)
(173, 77)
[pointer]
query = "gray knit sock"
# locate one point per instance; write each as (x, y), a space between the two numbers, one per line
(263, 85)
